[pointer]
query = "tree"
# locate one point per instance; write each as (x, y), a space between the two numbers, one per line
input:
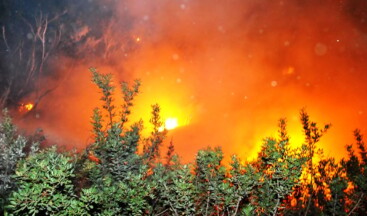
(280, 168)
(313, 135)
(355, 168)
(28, 38)
(115, 147)
(115, 171)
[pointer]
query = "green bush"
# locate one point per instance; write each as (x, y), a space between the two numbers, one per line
(45, 186)
(12, 149)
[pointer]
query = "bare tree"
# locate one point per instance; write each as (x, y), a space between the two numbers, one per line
(29, 55)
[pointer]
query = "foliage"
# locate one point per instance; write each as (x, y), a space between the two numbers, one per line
(116, 172)
(331, 185)
(210, 182)
(309, 191)
(45, 186)
(109, 197)
(115, 147)
(175, 191)
(355, 168)
(153, 143)
(12, 150)
(280, 169)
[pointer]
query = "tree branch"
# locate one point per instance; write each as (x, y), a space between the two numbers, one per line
(4, 38)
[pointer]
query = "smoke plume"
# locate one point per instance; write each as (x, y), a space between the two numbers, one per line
(226, 70)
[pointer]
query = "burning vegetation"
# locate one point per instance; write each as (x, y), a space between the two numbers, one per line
(218, 74)
(123, 172)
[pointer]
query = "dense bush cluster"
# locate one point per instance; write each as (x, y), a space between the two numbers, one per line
(113, 177)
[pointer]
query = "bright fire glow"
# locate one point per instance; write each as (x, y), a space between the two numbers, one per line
(229, 96)
(28, 106)
(171, 123)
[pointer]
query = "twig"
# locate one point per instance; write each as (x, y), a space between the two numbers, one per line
(37, 101)
(334, 206)
(4, 97)
(58, 16)
(162, 212)
(174, 210)
(308, 205)
(237, 206)
(276, 207)
(5, 41)
(207, 204)
(357, 204)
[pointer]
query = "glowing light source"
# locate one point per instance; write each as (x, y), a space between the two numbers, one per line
(171, 123)
(26, 107)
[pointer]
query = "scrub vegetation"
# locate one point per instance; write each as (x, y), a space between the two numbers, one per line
(124, 173)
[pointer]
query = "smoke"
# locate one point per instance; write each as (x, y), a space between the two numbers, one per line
(227, 71)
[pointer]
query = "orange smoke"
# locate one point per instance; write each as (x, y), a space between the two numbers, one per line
(226, 71)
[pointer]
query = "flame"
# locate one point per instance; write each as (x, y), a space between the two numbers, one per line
(171, 123)
(94, 158)
(29, 106)
(26, 107)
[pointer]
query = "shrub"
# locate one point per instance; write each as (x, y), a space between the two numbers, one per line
(12, 149)
(45, 186)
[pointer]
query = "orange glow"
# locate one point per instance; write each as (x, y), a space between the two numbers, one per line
(226, 79)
